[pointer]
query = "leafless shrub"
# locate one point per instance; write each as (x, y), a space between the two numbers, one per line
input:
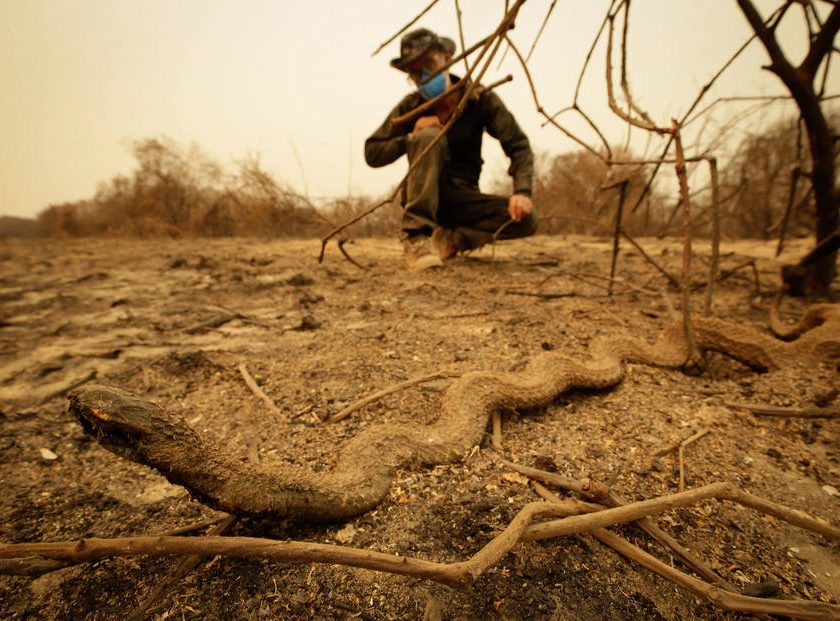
(766, 182)
(65, 220)
(176, 191)
(13, 226)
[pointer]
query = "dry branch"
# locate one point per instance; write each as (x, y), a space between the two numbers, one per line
(31, 566)
(717, 596)
(714, 265)
(693, 355)
(681, 454)
(644, 508)
(540, 31)
(191, 528)
(671, 279)
(252, 385)
(341, 243)
(496, 438)
(606, 497)
(622, 194)
(550, 119)
(785, 412)
(459, 15)
(430, 377)
(708, 85)
(625, 85)
(406, 27)
(357, 218)
(642, 123)
(582, 276)
(458, 574)
(540, 294)
(728, 273)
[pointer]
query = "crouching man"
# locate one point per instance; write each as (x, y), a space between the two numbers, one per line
(445, 213)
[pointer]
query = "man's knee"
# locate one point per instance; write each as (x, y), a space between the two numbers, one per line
(424, 136)
(530, 223)
(526, 227)
(420, 141)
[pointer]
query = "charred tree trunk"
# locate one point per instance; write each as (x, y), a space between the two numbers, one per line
(814, 273)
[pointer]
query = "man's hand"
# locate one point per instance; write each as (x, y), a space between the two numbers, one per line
(519, 206)
(424, 122)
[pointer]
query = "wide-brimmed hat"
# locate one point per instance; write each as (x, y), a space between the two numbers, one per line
(418, 42)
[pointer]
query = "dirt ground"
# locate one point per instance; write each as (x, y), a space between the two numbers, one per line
(172, 319)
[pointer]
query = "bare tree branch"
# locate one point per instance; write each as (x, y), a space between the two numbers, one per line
(406, 27)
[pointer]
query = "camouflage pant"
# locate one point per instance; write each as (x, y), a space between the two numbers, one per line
(433, 199)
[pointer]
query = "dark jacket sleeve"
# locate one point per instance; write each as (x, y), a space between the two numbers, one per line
(387, 144)
(502, 126)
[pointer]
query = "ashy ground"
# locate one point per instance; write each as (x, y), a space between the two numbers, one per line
(173, 319)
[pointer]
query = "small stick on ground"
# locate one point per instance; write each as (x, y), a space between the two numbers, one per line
(387, 391)
(725, 274)
(676, 445)
(191, 528)
(546, 494)
(537, 294)
(186, 565)
(252, 384)
(496, 438)
(681, 453)
(583, 276)
(341, 243)
(219, 320)
(31, 567)
(786, 412)
(303, 411)
(216, 322)
(587, 489)
(459, 315)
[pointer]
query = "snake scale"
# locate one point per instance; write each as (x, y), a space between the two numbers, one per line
(141, 431)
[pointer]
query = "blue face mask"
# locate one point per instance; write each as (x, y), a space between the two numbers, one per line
(433, 87)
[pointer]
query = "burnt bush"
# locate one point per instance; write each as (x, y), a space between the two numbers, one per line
(176, 191)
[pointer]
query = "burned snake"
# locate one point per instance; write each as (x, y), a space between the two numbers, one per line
(141, 431)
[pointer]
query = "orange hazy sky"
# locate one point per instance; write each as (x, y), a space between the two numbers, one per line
(81, 79)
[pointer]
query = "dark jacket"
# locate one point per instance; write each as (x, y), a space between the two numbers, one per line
(484, 111)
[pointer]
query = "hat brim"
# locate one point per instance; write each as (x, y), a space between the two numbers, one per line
(444, 44)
